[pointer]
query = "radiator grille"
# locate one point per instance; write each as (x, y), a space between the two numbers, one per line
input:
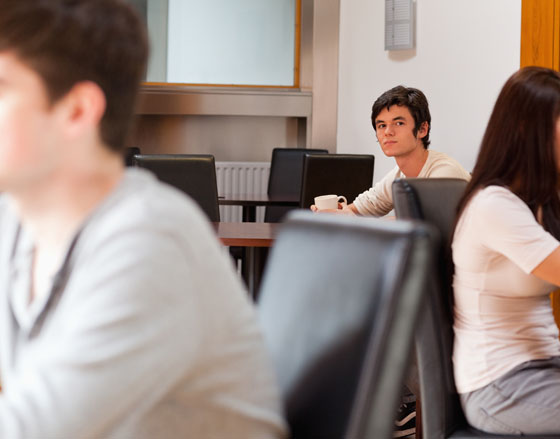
(241, 177)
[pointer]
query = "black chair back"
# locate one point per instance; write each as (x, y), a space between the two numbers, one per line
(129, 154)
(194, 174)
(435, 201)
(431, 199)
(338, 307)
(339, 174)
(286, 170)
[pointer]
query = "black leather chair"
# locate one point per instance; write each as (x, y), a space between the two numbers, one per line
(129, 154)
(286, 170)
(435, 201)
(339, 174)
(338, 307)
(194, 174)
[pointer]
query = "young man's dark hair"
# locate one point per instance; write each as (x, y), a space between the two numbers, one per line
(70, 41)
(408, 97)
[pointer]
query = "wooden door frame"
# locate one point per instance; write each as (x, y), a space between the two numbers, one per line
(540, 33)
(540, 46)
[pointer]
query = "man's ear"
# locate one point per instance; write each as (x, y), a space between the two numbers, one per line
(423, 130)
(83, 107)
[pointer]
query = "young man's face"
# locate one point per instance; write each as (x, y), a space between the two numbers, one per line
(394, 129)
(28, 126)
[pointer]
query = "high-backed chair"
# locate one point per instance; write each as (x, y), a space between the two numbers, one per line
(339, 174)
(194, 174)
(435, 201)
(129, 154)
(338, 306)
(286, 170)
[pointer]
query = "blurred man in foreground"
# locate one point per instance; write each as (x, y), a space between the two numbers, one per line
(119, 316)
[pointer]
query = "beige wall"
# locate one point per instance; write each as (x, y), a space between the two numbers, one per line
(228, 138)
(325, 74)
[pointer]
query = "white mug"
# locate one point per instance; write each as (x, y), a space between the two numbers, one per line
(329, 201)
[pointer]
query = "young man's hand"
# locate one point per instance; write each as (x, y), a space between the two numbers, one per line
(343, 209)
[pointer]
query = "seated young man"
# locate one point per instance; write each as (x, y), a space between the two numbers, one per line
(120, 315)
(401, 120)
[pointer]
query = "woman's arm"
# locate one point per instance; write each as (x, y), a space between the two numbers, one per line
(549, 268)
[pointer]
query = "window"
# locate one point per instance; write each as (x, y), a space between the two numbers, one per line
(223, 42)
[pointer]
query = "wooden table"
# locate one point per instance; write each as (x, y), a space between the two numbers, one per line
(246, 234)
(249, 202)
(255, 238)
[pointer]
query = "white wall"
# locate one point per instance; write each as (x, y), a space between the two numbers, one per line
(465, 50)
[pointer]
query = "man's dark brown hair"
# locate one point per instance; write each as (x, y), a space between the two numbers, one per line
(70, 41)
(408, 97)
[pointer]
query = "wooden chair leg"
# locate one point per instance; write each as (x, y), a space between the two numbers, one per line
(418, 418)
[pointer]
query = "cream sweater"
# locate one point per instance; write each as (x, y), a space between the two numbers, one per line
(378, 200)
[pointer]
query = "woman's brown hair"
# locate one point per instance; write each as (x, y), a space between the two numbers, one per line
(518, 147)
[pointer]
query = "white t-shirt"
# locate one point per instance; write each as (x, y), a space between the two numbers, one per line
(378, 200)
(503, 315)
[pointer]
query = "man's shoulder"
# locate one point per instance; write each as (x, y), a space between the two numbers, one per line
(156, 233)
(436, 156)
(145, 198)
(441, 165)
(143, 204)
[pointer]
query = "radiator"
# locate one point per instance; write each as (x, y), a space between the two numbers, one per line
(241, 177)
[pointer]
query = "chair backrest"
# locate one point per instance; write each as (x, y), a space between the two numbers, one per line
(339, 174)
(129, 154)
(435, 201)
(338, 306)
(286, 170)
(432, 199)
(194, 174)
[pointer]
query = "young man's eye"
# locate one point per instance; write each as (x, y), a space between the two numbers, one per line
(380, 126)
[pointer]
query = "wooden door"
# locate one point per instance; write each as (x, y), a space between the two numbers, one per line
(540, 46)
(540, 33)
